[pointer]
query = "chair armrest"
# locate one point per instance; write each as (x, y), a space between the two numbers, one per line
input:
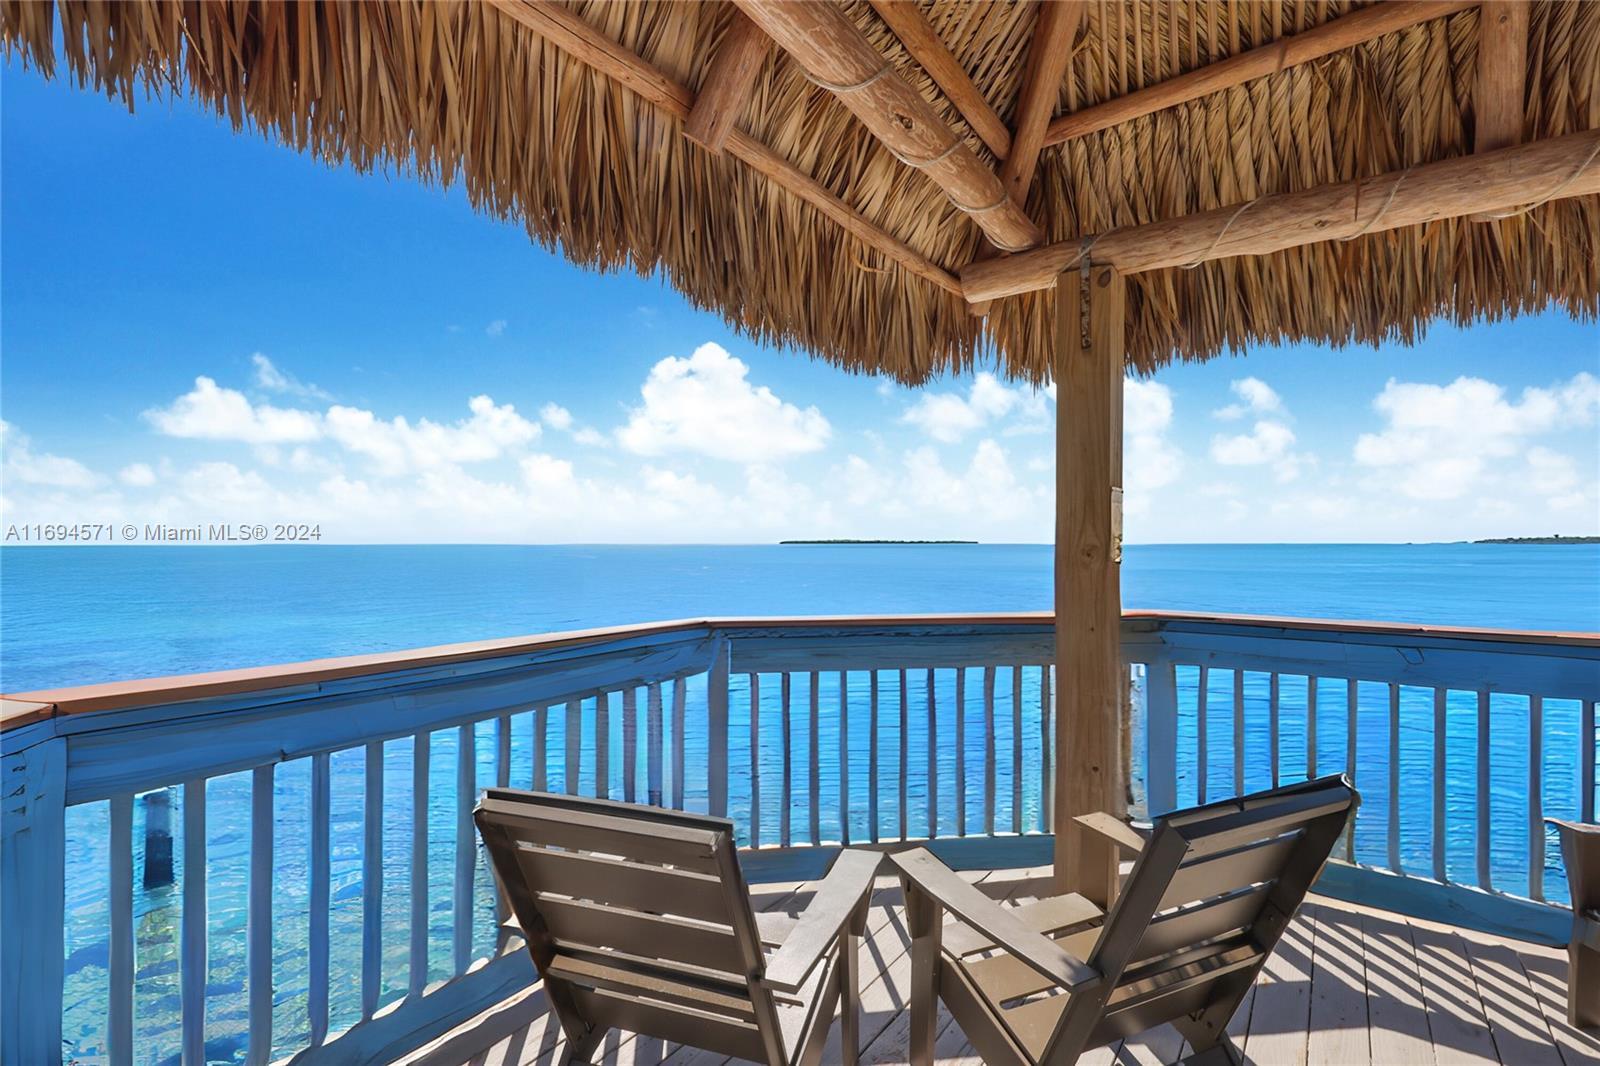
(1039, 952)
(1115, 830)
(841, 897)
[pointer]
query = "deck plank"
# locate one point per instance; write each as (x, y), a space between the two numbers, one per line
(1456, 1020)
(1396, 1015)
(1338, 1020)
(1347, 984)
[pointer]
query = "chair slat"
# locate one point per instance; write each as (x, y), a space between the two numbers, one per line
(643, 840)
(1200, 922)
(652, 889)
(683, 1025)
(713, 996)
(579, 922)
(1219, 874)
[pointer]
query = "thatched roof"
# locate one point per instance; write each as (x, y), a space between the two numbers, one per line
(467, 92)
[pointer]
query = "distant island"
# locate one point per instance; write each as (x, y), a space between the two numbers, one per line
(1540, 540)
(847, 541)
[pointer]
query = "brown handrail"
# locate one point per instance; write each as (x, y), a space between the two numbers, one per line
(24, 708)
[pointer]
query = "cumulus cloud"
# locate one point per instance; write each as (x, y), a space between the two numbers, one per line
(211, 412)
(271, 378)
(22, 464)
(1270, 441)
(137, 475)
(706, 405)
(1255, 397)
(1440, 440)
(555, 416)
(398, 446)
(949, 416)
(1150, 460)
(496, 328)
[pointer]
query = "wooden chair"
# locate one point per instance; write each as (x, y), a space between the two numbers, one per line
(1580, 852)
(1211, 891)
(638, 918)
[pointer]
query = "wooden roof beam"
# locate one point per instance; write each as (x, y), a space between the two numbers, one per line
(568, 32)
(905, 18)
(1500, 181)
(727, 85)
(1048, 56)
(838, 56)
(1498, 100)
(1335, 35)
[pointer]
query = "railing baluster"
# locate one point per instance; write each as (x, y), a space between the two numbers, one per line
(1440, 730)
(1016, 749)
(961, 751)
(653, 744)
(785, 826)
(570, 770)
(680, 714)
(814, 781)
(988, 751)
(502, 751)
(933, 759)
(466, 847)
(1201, 696)
(1394, 778)
(119, 960)
(844, 757)
(1536, 798)
(1272, 724)
(602, 745)
(872, 757)
(755, 760)
(258, 924)
(541, 768)
(192, 947)
(1238, 732)
(1047, 753)
(419, 862)
(717, 740)
(904, 788)
(1352, 697)
(317, 942)
(372, 882)
(1161, 736)
(1586, 761)
(630, 743)
(1311, 726)
(1483, 807)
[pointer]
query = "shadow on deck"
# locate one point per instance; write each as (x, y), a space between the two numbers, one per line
(1347, 985)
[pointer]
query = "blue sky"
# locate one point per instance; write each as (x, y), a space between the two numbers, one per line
(204, 326)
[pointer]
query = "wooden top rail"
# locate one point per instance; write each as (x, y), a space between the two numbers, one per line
(20, 709)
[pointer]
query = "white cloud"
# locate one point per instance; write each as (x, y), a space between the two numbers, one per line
(496, 328)
(1255, 396)
(137, 475)
(1440, 441)
(273, 379)
(949, 416)
(21, 464)
(1150, 460)
(555, 416)
(210, 412)
(706, 405)
(397, 446)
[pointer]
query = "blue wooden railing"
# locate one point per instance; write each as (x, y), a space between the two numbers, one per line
(329, 901)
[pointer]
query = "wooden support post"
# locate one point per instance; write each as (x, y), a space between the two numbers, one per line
(1498, 100)
(1090, 338)
(726, 89)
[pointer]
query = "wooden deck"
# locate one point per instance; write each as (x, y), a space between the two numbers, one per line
(1348, 985)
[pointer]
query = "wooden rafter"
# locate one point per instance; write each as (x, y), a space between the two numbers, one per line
(1511, 178)
(823, 40)
(1332, 36)
(905, 18)
(1497, 102)
(564, 29)
(1048, 56)
(726, 88)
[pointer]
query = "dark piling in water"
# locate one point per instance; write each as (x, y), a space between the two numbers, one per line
(158, 838)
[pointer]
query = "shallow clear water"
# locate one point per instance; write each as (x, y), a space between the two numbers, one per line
(72, 616)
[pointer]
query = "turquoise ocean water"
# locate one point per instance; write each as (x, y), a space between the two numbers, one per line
(82, 615)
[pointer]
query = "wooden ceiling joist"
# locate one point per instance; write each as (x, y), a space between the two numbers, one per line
(1335, 35)
(905, 18)
(566, 31)
(1500, 181)
(1048, 56)
(727, 84)
(1498, 100)
(838, 57)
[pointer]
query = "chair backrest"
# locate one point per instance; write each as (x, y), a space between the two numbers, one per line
(1206, 902)
(637, 918)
